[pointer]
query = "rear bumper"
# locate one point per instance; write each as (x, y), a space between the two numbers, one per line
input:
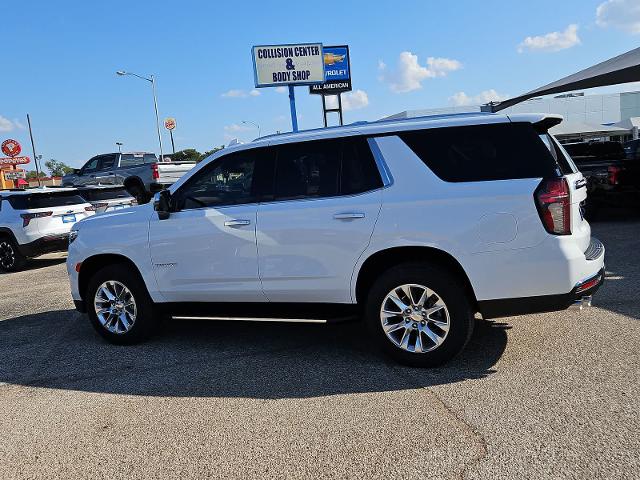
(48, 244)
(509, 307)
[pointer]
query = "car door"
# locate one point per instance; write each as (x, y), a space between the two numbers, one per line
(87, 174)
(106, 166)
(206, 250)
(326, 199)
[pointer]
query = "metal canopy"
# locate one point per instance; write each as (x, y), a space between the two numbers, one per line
(621, 69)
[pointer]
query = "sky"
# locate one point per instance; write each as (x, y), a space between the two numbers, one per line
(60, 58)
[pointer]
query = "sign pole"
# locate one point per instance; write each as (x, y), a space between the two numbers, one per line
(324, 111)
(33, 147)
(340, 108)
(173, 147)
(292, 103)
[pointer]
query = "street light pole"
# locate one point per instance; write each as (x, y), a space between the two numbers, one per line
(119, 145)
(252, 123)
(155, 103)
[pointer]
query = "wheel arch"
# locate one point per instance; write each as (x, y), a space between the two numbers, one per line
(382, 260)
(94, 263)
(132, 181)
(6, 232)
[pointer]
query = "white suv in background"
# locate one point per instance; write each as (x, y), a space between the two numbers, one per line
(37, 221)
(414, 224)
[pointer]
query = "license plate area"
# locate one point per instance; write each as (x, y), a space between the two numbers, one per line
(70, 218)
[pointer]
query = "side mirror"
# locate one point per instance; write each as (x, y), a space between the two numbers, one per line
(162, 202)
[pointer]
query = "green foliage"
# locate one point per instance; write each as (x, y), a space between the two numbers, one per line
(57, 169)
(192, 155)
(32, 174)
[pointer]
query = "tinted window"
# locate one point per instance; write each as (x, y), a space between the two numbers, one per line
(562, 158)
(483, 152)
(359, 170)
(107, 161)
(308, 169)
(325, 168)
(226, 181)
(91, 165)
(104, 194)
(132, 159)
(45, 200)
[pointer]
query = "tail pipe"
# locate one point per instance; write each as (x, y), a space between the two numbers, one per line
(581, 303)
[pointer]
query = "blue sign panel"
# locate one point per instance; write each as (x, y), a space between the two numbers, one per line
(337, 71)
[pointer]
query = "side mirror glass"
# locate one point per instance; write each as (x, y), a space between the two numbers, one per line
(162, 204)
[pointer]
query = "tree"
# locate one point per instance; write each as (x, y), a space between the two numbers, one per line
(57, 169)
(32, 174)
(210, 152)
(187, 155)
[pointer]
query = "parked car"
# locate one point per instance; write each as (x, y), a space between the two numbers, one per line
(416, 224)
(37, 221)
(611, 169)
(107, 198)
(139, 172)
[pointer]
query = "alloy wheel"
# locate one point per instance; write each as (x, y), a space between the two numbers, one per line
(7, 255)
(415, 318)
(115, 307)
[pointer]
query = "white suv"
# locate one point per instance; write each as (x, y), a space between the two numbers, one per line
(37, 221)
(415, 224)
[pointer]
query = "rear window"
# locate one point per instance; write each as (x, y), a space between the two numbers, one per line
(131, 159)
(595, 151)
(483, 152)
(104, 194)
(45, 200)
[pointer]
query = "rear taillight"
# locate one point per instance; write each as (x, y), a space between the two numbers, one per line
(554, 205)
(27, 217)
(154, 171)
(614, 175)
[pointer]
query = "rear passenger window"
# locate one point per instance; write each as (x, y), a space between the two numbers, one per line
(45, 200)
(325, 168)
(483, 152)
(308, 170)
(359, 170)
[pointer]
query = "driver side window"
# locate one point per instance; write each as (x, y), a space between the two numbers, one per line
(91, 165)
(227, 181)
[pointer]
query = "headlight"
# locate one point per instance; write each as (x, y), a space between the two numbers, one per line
(73, 234)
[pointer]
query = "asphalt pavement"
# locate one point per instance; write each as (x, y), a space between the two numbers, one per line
(536, 397)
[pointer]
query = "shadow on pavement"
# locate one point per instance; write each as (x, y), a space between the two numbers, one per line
(223, 359)
(36, 263)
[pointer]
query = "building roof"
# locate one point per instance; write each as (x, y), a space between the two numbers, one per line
(586, 129)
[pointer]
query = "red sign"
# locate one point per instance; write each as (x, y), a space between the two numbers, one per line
(11, 148)
(169, 123)
(14, 160)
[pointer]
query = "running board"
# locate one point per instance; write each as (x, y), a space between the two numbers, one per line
(256, 319)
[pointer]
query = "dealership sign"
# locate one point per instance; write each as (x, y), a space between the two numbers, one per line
(337, 68)
(299, 64)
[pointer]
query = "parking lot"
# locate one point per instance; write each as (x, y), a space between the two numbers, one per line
(540, 396)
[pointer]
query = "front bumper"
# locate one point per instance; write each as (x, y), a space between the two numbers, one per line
(47, 244)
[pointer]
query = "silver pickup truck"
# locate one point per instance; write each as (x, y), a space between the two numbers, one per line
(140, 173)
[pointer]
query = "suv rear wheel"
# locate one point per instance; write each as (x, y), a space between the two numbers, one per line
(119, 305)
(419, 314)
(10, 257)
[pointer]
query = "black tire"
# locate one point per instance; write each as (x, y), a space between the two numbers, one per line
(11, 260)
(451, 292)
(139, 193)
(144, 323)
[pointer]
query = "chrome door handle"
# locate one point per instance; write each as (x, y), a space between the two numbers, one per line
(236, 223)
(348, 215)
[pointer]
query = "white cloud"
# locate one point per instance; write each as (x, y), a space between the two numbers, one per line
(6, 125)
(281, 89)
(238, 93)
(622, 14)
(552, 42)
(409, 74)
(461, 98)
(235, 128)
(350, 100)
(19, 124)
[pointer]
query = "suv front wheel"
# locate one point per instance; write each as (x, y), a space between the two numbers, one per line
(119, 306)
(419, 314)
